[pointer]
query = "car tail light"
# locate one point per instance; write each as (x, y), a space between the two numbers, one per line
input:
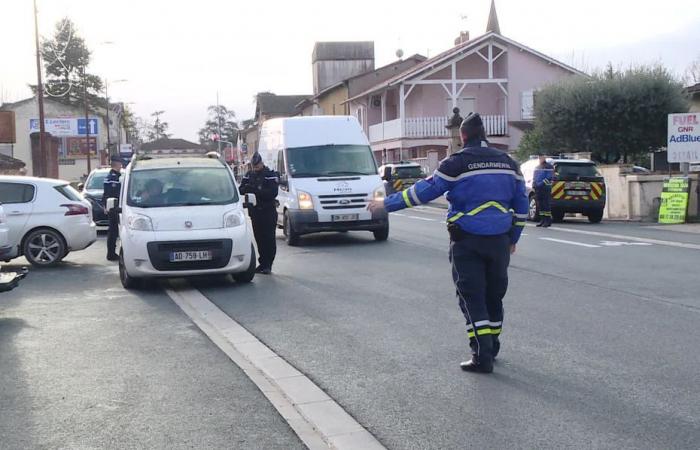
(76, 210)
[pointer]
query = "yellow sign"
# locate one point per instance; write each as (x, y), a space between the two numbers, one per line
(674, 200)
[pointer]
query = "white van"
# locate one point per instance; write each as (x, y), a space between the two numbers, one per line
(328, 175)
(182, 216)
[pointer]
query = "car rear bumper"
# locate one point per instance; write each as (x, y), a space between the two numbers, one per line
(578, 206)
(306, 222)
(81, 235)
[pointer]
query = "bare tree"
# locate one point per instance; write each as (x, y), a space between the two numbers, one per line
(692, 73)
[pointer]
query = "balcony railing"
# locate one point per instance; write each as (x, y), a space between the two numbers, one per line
(430, 127)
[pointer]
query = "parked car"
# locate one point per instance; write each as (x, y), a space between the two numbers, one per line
(92, 191)
(5, 246)
(46, 219)
(328, 175)
(399, 176)
(182, 216)
(577, 187)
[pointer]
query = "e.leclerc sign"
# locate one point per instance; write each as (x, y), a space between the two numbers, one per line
(684, 137)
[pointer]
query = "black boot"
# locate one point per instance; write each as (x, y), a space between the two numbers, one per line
(547, 222)
(482, 355)
(496, 346)
(541, 224)
(478, 365)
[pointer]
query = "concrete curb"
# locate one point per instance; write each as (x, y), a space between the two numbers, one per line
(315, 417)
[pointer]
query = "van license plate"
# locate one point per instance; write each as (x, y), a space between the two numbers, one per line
(345, 217)
(199, 255)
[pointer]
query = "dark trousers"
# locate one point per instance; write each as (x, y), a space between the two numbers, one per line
(544, 202)
(480, 273)
(112, 232)
(265, 231)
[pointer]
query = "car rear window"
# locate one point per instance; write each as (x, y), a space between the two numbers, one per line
(68, 192)
(16, 193)
(409, 172)
(577, 170)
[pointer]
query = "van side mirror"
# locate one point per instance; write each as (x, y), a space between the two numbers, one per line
(386, 176)
(81, 187)
(112, 203)
(284, 180)
(250, 201)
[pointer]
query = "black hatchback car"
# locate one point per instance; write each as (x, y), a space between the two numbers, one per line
(577, 187)
(92, 190)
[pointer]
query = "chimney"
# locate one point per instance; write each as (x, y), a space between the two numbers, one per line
(462, 38)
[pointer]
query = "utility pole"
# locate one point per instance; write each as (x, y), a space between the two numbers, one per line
(109, 142)
(218, 120)
(87, 122)
(43, 171)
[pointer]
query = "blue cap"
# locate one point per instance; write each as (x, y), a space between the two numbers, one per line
(256, 159)
(116, 159)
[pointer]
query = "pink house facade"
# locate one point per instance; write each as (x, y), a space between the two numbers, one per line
(405, 116)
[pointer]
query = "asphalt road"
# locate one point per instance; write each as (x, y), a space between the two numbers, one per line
(600, 347)
(86, 364)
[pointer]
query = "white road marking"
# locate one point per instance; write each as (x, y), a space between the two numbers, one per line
(421, 218)
(627, 238)
(561, 241)
(621, 244)
(316, 418)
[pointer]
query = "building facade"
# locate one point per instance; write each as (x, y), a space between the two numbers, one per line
(405, 117)
(67, 125)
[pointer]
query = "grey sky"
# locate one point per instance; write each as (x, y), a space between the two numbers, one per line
(177, 54)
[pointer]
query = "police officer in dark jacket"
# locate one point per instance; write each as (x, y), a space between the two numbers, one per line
(486, 216)
(542, 181)
(264, 183)
(112, 188)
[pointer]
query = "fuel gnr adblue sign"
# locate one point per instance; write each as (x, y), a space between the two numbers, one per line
(684, 137)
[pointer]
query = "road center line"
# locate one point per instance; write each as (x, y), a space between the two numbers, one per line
(628, 238)
(561, 241)
(316, 418)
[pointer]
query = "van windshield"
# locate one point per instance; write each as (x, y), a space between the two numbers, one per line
(186, 186)
(330, 160)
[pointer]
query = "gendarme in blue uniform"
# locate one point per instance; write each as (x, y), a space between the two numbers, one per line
(542, 182)
(111, 189)
(488, 207)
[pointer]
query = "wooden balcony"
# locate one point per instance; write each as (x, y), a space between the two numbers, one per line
(430, 127)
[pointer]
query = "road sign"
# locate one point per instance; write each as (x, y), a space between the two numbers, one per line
(674, 200)
(60, 127)
(684, 137)
(126, 149)
(93, 127)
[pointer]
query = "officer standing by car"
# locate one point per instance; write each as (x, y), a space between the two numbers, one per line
(264, 183)
(487, 213)
(112, 188)
(542, 182)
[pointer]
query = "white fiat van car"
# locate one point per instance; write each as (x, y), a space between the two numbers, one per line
(328, 175)
(182, 216)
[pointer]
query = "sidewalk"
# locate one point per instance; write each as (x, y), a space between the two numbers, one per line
(86, 364)
(693, 228)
